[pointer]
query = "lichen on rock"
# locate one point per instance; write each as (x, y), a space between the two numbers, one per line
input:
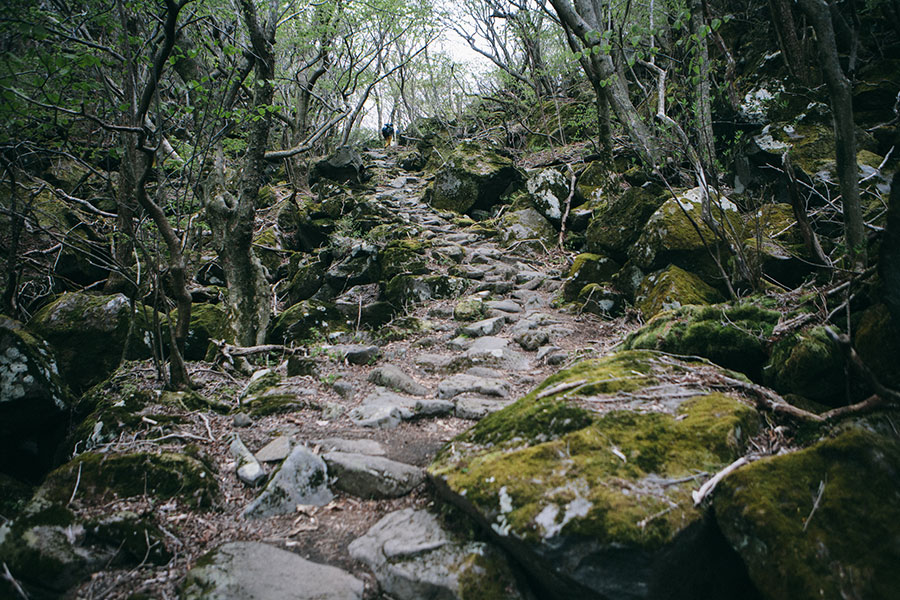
(583, 467)
(672, 288)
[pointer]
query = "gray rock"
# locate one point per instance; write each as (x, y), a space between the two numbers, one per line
(356, 354)
(345, 389)
(532, 339)
(370, 447)
(383, 397)
(433, 408)
(461, 383)
(432, 363)
(248, 468)
(241, 420)
(332, 410)
(460, 343)
(556, 358)
(483, 328)
(414, 558)
(369, 476)
(377, 416)
(474, 408)
(392, 377)
(544, 351)
(486, 372)
(492, 352)
(250, 570)
(302, 479)
(275, 451)
(504, 305)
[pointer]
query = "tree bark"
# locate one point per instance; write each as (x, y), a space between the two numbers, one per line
(233, 216)
(839, 91)
(786, 32)
(706, 146)
(586, 25)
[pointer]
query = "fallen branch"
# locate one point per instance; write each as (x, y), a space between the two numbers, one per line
(710, 485)
(12, 581)
(815, 503)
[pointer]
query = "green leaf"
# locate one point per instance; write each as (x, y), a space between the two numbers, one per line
(716, 23)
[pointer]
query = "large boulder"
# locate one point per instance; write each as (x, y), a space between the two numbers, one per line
(587, 480)
(90, 335)
(618, 223)
(819, 522)
(472, 177)
(731, 336)
(877, 340)
(586, 269)
(676, 234)
(34, 402)
(343, 165)
(414, 557)
(809, 364)
(547, 191)
(672, 288)
(307, 320)
(527, 229)
(245, 570)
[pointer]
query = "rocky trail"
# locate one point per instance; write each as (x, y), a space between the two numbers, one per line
(370, 416)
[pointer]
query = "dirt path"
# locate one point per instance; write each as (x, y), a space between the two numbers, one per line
(518, 341)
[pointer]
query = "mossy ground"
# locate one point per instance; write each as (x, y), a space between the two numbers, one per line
(847, 547)
(545, 467)
(807, 363)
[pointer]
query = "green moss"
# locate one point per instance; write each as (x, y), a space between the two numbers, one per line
(485, 576)
(588, 268)
(807, 363)
(731, 336)
(407, 257)
(877, 340)
(105, 476)
(672, 288)
(617, 478)
(273, 402)
(617, 225)
(134, 536)
(469, 309)
(847, 548)
(208, 322)
(307, 320)
(13, 496)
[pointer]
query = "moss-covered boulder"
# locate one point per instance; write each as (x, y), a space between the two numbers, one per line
(104, 477)
(47, 550)
(588, 268)
(602, 300)
(820, 522)
(472, 177)
(774, 246)
(358, 266)
(403, 256)
(672, 288)
(527, 229)
(734, 337)
(676, 234)
(877, 341)
(617, 224)
(547, 191)
(208, 322)
(809, 364)
(595, 468)
(589, 187)
(407, 290)
(34, 402)
(268, 248)
(90, 335)
(308, 320)
(307, 279)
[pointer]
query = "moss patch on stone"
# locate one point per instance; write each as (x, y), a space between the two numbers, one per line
(672, 288)
(588, 268)
(549, 466)
(734, 337)
(106, 476)
(403, 256)
(308, 320)
(877, 341)
(617, 225)
(807, 363)
(847, 548)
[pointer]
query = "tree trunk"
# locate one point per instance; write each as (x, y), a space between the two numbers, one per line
(839, 90)
(706, 146)
(249, 293)
(786, 32)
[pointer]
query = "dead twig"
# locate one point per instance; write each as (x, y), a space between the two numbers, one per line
(12, 581)
(710, 485)
(77, 481)
(565, 217)
(816, 502)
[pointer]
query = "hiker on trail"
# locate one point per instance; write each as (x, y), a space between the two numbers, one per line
(387, 132)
